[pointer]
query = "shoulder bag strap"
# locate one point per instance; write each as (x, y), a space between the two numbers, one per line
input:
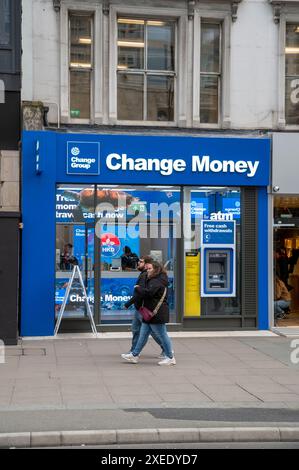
(160, 302)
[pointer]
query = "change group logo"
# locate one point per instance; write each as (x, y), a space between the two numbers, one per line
(83, 158)
(75, 151)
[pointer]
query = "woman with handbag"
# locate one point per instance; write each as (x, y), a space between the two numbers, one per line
(155, 313)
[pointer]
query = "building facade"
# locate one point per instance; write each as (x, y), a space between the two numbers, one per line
(10, 100)
(169, 102)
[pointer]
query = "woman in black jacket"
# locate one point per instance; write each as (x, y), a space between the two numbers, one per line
(156, 286)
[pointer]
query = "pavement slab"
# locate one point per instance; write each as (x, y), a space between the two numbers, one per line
(85, 378)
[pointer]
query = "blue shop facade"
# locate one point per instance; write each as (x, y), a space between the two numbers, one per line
(196, 204)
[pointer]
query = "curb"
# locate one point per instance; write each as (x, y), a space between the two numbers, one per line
(148, 436)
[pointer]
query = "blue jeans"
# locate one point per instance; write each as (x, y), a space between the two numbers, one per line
(136, 326)
(280, 306)
(157, 329)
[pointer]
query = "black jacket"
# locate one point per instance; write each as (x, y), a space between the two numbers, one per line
(151, 295)
(136, 299)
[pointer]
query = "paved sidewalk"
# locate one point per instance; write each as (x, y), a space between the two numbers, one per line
(90, 373)
(82, 383)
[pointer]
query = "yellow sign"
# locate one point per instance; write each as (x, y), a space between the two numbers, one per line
(192, 284)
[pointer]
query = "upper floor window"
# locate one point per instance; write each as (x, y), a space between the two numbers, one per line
(210, 72)
(146, 69)
(5, 22)
(292, 74)
(80, 65)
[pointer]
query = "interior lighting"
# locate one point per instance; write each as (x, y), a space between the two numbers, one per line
(129, 21)
(156, 23)
(80, 65)
(130, 44)
(85, 40)
(292, 50)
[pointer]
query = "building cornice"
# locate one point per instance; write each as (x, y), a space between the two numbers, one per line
(279, 4)
(57, 5)
(191, 5)
(234, 7)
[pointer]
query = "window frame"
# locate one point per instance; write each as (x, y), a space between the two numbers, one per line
(213, 74)
(145, 72)
(287, 17)
(94, 9)
(224, 108)
(73, 69)
(9, 45)
(180, 72)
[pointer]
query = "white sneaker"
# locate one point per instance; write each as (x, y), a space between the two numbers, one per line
(163, 355)
(167, 362)
(130, 358)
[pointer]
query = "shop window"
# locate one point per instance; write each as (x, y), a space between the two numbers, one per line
(74, 245)
(80, 65)
(145, 70)
(5, 22)
(286, 261)
(210, 72)
(292, 74)
(96, 226)
(222, 204)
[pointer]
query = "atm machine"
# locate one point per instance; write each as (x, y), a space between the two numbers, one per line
(218, 259)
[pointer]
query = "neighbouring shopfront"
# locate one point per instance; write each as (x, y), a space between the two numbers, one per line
(285, 231)
(198, 205)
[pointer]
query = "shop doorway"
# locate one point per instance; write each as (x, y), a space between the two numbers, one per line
(286, 261)
(119, 251)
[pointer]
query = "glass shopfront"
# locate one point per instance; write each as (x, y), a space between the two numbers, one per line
(96, 225)
(196, 204)
(286, 260)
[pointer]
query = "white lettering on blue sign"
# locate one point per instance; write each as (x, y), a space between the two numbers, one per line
(79, 162)
(220, 216)
(166, 166)
(226, 166)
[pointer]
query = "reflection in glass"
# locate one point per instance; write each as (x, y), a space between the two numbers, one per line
(210, 72)
(74, 245)
(160, 98)
(80, 94)
(210, 48)
(129, 97)
(292, 101)
(160, 53)
(130, 44)
(145, 47)
(292, 74)
(209, 99)
(131, 237)
(204, 202)
(80, 41)
(80, 66)
(5, 22)
(292, 49)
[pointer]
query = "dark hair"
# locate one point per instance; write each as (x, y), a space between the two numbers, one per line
(158, 268)
(127, 250)
(69, 245)
(147, 259)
